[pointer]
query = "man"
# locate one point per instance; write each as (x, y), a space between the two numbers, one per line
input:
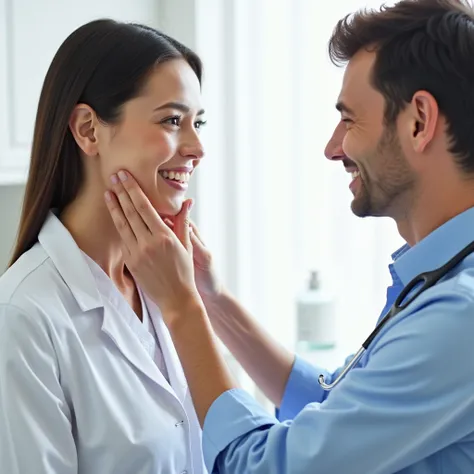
(406, 134)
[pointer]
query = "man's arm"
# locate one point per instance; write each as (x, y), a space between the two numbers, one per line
(287, 380)
(414, 397)
(267, 362)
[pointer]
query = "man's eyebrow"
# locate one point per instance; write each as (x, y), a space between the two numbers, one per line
(341, 107)
(178, 106)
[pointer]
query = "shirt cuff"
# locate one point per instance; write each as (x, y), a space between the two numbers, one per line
(232, 415)
(302, 388)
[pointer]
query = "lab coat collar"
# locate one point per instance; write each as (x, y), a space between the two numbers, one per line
(435, 249)
(62, 249)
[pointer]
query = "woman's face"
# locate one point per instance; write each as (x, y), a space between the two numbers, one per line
(157, 137)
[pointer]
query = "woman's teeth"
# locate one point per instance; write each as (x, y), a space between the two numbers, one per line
(355, 174)
(176, 176)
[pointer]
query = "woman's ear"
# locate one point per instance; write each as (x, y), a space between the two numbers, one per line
(83, 126)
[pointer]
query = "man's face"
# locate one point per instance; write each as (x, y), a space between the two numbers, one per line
(369, 149)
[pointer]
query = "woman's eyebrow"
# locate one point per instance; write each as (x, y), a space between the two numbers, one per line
(178, 106)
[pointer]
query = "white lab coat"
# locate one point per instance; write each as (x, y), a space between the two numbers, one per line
(78, 391)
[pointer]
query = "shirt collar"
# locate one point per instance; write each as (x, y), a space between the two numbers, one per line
(435, 249)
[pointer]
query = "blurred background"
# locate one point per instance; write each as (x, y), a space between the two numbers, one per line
(269, 205)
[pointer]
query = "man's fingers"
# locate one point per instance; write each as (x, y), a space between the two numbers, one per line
(195, 241)
(196, 232)
(169, 223)
(181, 225)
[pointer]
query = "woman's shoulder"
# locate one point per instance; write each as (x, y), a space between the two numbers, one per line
(32, 285)
(29, 325)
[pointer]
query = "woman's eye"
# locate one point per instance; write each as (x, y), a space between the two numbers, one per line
(200, 123)
(175, 121)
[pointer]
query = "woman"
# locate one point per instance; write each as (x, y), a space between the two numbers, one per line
(89, 379)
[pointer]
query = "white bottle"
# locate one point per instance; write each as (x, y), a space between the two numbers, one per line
(316, 328)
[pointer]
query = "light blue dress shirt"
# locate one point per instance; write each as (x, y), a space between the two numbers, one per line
(407, 407)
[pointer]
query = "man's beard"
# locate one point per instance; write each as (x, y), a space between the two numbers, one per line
(394, 179)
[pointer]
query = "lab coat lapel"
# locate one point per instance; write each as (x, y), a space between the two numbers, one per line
(115, 326)
(173, 364)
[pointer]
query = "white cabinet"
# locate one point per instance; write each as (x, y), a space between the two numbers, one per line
(30, 33)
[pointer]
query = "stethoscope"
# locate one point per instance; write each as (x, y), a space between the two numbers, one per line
(427, 280)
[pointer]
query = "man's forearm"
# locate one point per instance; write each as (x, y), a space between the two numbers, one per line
(268, 363)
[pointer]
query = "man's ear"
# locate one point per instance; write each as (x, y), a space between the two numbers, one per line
(425, 113)
(83, 126)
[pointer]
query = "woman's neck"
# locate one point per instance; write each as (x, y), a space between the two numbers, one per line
(89, 222)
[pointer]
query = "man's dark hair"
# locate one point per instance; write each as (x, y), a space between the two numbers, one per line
(419, 45)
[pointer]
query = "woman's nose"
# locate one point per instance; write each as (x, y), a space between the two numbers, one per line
(193, 147)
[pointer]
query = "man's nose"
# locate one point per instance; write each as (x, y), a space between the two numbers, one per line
(333, 150)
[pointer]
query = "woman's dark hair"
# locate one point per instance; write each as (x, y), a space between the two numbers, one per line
(103, 64)
(419, 45)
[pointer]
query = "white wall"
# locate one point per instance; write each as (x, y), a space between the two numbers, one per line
(10, 205)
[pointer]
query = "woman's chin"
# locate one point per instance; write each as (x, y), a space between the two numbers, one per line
(169, 209)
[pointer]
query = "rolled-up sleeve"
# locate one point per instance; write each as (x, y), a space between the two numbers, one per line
(35, 424)
(225, 427)
(392, 413)
(303, 388)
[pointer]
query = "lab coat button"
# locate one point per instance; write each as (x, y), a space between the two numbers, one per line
(179, 423)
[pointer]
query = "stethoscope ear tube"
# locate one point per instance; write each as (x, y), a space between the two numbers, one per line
(423, 281)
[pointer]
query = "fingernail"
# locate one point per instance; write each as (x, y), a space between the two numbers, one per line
(190, 205)
(114, 179)
(122, 175)
(108, 196)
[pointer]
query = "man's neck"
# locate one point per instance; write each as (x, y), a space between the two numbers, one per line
(433, 209)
